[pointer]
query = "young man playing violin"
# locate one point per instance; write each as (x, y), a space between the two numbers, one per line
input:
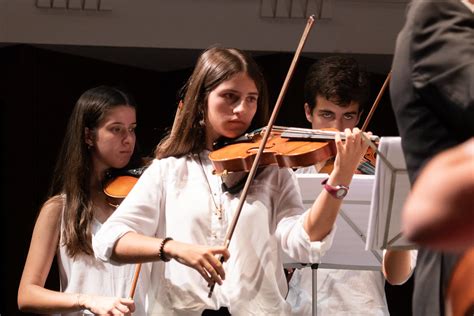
(335, 92)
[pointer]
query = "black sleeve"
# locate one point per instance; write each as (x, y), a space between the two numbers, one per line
(443, 61)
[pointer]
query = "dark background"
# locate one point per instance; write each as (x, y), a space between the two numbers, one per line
(38, 89)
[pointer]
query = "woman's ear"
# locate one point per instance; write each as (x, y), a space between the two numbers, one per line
(88, 136)
(308, 113)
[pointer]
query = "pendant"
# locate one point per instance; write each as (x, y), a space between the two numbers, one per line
(219, 212)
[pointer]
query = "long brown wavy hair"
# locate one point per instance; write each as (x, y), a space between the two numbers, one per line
(214, 66)
(73, 170)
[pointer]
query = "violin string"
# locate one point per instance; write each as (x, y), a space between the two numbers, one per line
(305, 131)
(313, 132)
(218, 208)
(289, 130)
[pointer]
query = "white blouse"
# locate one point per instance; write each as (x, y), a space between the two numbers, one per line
(85, 274)
(172, 199)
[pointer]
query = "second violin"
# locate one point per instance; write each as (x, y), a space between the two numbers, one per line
(118, 184)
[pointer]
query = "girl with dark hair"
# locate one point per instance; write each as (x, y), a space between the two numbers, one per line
(100, 136)
(180, 197)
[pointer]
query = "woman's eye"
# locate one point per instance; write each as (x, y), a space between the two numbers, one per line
(230, 97)
(252, 99)
(116, 129)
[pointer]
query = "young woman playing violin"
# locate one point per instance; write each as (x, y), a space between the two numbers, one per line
(100, 136)
(179, 196)
(336, 89)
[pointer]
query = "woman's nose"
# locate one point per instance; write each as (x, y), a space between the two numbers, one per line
(239, 106)
(129, 136)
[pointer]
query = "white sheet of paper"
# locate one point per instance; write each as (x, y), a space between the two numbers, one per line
(348, 248)
(391, 188)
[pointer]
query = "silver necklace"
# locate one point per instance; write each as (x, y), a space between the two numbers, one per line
(218, 208)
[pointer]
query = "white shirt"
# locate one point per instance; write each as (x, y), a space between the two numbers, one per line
(469, 5)
(172, 198)
(87, 275)
(339, 292)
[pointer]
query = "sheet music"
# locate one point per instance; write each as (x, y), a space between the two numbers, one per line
(391, 187)
(348, 248)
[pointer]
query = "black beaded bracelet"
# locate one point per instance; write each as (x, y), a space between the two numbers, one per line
(162, 245)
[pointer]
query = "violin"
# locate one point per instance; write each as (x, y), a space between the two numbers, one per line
(366, 166)
(119, 183)
(117, 186)
(460, 292)
(286, 147)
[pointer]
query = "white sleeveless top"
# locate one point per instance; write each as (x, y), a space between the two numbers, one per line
(85, 274)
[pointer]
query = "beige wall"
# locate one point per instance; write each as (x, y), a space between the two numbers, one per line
(353, 26)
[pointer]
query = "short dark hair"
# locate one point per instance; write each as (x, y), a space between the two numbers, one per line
(338, 79)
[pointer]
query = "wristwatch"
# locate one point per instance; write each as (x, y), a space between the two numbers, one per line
(338, 191)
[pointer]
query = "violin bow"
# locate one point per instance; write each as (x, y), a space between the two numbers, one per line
(138, 267)
(376, 102)
(253, 170)
(369, 116)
